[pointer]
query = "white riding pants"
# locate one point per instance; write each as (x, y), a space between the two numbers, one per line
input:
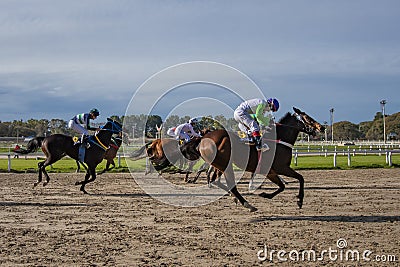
(77, 127)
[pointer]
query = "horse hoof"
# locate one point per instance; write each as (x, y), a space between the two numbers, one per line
(300, 203)
(44, 184)
(35, 184)
(250, 207)
(265, 195)
(78, 183)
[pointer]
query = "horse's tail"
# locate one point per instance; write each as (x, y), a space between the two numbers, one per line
(139, 154)
(32, 146)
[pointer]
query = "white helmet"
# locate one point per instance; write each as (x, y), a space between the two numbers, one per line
(193, 121)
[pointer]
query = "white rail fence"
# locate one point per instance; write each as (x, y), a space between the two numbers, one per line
(349, 152)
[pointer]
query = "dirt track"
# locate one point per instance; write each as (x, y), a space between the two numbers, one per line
(119, 225)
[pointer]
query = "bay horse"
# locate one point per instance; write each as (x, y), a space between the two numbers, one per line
(57, 146)
(221, 150)
(165, 154)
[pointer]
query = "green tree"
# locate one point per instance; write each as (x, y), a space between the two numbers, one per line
(346, 130)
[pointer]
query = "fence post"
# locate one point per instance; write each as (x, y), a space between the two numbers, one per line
(390, 159)
(119, 160)
(295, 158)
(334, 159)
(348, 159)
(9, 163)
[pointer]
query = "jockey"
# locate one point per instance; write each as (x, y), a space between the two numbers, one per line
(185, 131)
(249, 123)
(83, 119)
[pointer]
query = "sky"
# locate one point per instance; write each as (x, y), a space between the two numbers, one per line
(61, 58)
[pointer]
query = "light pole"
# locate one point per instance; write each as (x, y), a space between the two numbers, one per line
(383, 103)
(331, 111)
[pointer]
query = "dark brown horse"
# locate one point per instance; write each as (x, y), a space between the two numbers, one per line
(221, 149)
(57, 146)
(109, 156)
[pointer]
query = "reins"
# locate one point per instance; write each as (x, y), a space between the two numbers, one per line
(99, 143)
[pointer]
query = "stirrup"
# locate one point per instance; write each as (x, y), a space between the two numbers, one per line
(262, 148)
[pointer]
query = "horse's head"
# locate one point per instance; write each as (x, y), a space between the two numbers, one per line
(112, 126)
(311, 125)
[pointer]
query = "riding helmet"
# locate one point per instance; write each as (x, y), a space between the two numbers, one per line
(193, 121)
(274, 104)
(95, 112)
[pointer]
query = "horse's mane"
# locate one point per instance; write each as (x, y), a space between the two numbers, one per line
(286, 117)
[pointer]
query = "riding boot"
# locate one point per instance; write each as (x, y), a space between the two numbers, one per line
(250, 139)
(84, 141)
(259, 145)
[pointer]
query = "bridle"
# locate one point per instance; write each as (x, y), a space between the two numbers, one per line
(307, 128)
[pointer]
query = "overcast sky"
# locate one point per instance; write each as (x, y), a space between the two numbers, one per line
(60, 58)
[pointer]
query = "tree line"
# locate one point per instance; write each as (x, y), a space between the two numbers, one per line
(151, 125)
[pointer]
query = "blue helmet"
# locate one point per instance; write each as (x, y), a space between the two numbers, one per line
(273, 104)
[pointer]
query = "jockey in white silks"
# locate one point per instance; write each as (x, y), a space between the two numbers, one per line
(185, 131)
(83, 119)
(250, 113)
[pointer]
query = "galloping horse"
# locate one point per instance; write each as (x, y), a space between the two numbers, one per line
(164, 154)
(110, 154)
(221, 149)
(57, 146)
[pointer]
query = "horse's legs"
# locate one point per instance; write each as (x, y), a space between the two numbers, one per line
(212, 179)
(49, 160)
(189, 170)
(84, 182)
(251, 186)
(107, 168)
(78, 165)
(292, 173)
(273, 177)
(40, 164)
(230, 180)
(90, 172)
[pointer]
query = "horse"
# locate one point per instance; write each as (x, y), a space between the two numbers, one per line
(164, 154)
(57, 146)
(109, 156)
(219, 146)
(221, 149)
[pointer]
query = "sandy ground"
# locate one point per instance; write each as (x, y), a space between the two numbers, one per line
(345, 213)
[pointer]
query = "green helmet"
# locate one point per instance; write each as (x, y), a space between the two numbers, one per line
(95, 111)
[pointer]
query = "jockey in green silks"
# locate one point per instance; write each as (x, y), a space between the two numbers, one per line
(250, 113)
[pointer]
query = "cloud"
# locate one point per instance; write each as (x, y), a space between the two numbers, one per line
(97, 53)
